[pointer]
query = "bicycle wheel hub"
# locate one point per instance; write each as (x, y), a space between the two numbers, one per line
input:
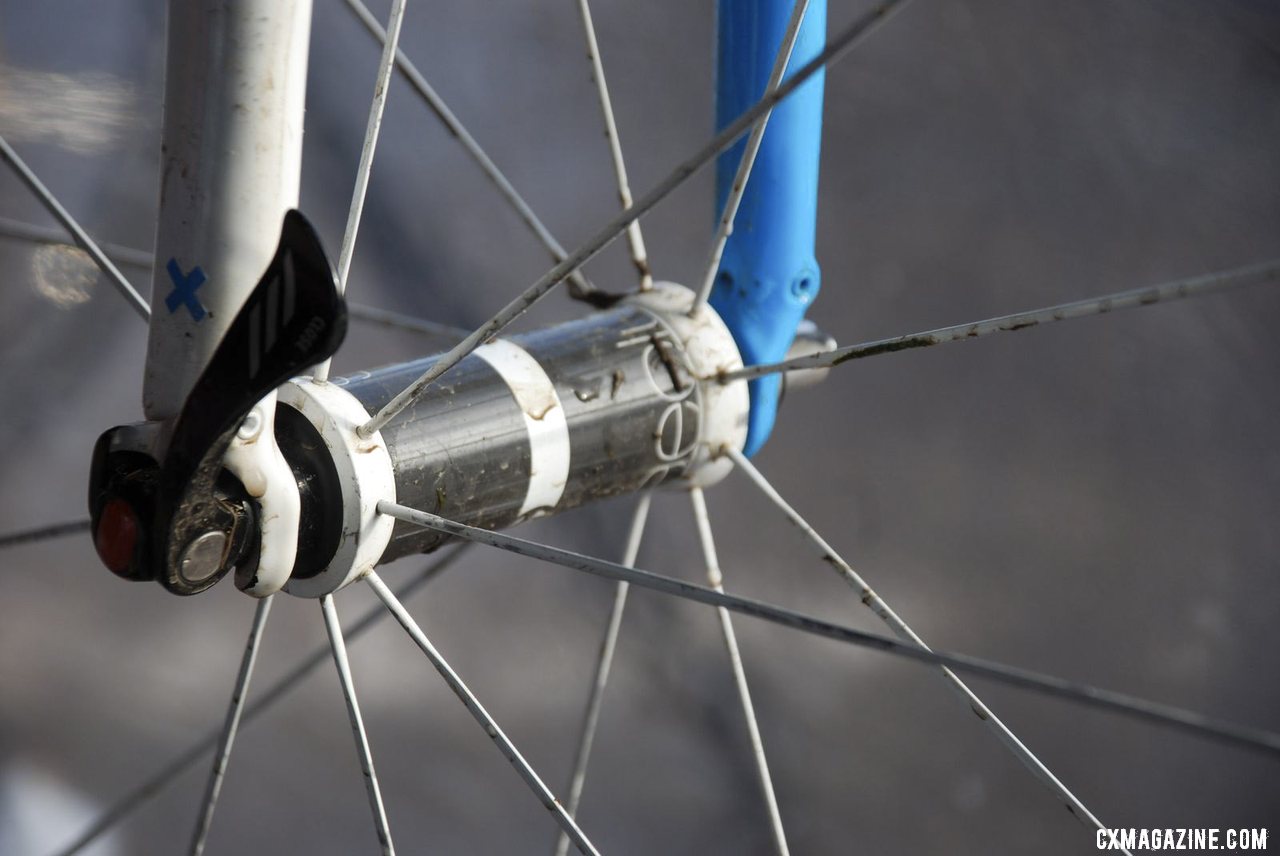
(619, 401)
(625, 399)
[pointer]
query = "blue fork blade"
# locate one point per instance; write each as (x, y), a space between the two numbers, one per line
(769, 274)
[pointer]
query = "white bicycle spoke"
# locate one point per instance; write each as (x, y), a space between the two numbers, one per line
(227, 739)
(716, 580)
(1267, 272)
(367, 150)
(603, 665)
(339, 648)
(835, 49)
(81, 237)
(117, 813)
(1084, 694)
(481, 715)
(437, 105)
(900, 629)
(638, 255)
(743, 173)
(43, 533)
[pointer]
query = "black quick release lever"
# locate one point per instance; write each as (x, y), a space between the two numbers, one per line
(185, 520)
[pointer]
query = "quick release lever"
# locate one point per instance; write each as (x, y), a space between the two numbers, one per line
(184, 520)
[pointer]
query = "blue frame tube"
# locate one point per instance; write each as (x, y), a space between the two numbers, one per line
(769, 274)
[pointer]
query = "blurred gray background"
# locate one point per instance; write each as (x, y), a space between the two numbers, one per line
(1097, 499)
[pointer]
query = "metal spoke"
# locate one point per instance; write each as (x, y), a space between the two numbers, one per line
(577, 282)
(603, 665)
(743, 173)
(1090, 696)
(367, 150)
(43, 533)
(180, 764)
(716, 581)
(481, 715)
(119, 254)
(82, 238)
(400, 321)
(339, 648)
(227, 740)
(638, 255)
(900, 629)
(1267, 272)
(834, 50)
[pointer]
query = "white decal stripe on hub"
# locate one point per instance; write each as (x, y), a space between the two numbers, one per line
(543, 418)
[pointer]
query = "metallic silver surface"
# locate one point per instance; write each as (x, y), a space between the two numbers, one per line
(810, 341)
(202, 558)
(463, 450)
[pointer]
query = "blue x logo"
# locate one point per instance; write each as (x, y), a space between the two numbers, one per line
(184, 290)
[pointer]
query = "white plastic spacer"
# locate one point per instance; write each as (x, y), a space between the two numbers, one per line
(255, 459)
(709, 349)
(365, 472)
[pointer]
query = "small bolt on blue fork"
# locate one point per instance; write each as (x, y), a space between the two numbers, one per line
(769, 273)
